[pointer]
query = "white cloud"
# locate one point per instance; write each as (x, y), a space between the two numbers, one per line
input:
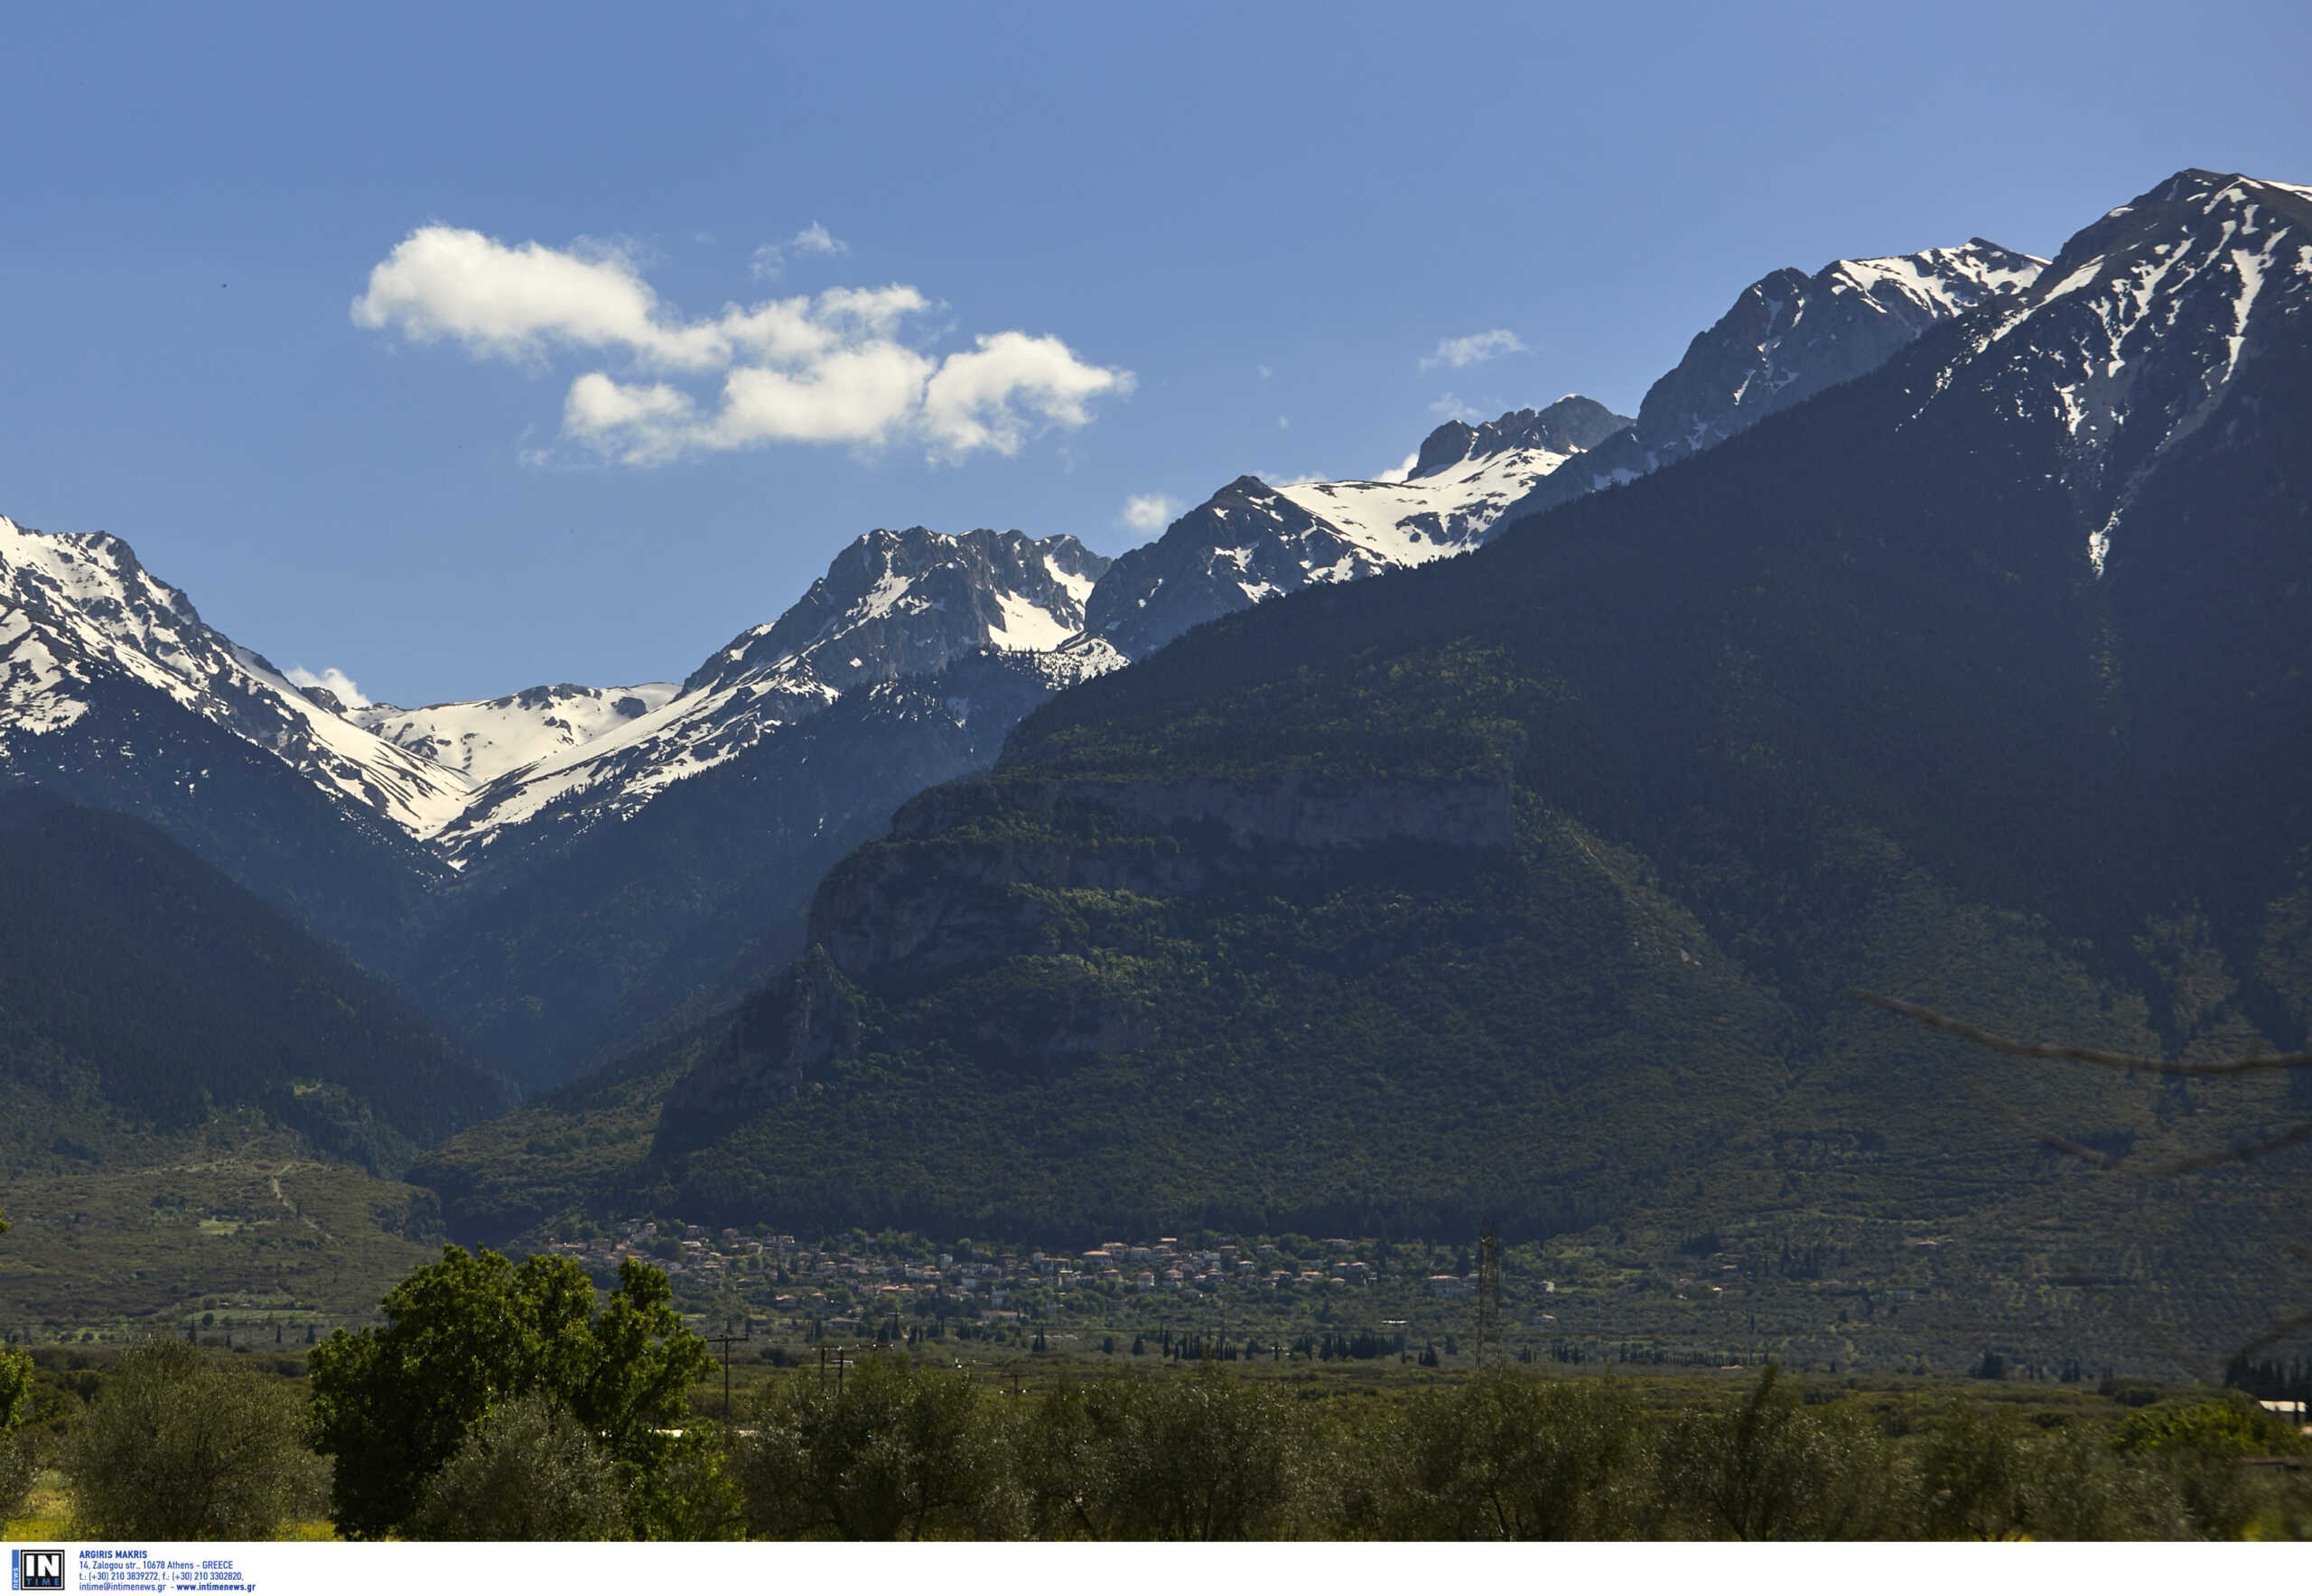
(1457, 352)
(836, 367)
(1265, 371)
(333, 680)
(988, 397)
(1446, 407)
(1149, 512)
(1401, 470)
(1284, 424)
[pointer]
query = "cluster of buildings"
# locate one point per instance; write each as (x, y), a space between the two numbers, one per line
(867, 1277)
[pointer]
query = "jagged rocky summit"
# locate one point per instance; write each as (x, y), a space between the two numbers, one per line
(1788, 337)
(1251, 541)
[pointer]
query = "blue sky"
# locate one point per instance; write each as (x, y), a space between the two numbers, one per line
(1199, 240)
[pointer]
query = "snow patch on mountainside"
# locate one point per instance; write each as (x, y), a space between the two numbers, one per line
(1424, 518)
(485, 738)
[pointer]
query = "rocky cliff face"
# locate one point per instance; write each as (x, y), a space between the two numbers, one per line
(969, 874)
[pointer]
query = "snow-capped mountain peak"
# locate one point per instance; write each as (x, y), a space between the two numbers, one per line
(1251, 541)
(1787, 337)
(892, 597)
(2137, 331)
(79, 609)
(893, 603)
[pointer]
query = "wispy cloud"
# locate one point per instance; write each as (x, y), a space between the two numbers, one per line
(836, 367)
(771, 259)
(816, 239)
(332, 680)
(1149, 512)
(1457, 352)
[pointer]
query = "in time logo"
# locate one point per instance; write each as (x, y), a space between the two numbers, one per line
(36, 1569)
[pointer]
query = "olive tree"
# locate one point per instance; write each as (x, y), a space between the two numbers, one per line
(897, 1452)
(15, 1451)
(15, 1456)
(180, 1446)
(1771, 1471)
(1510, 1456)
(1204, 1457)
(527, 1472)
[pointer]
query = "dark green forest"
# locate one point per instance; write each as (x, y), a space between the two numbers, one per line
(140, 984)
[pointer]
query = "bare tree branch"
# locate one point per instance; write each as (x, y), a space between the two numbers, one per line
(2146, 1172)
(2275, 1336)
(2045, 1049)
(2039, 1133)
(2208, 1161)
(2108, 1161)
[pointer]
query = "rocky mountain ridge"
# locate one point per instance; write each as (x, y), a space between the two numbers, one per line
(1787, 337)
(1250, 542)
(893, 603)
(547, 763)
(77, 610)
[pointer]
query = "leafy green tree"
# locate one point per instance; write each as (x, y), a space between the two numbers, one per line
(694, 1494)
(2229, 1425)
(900, 1452)
(394, 1404)
(2196, 1450)
(1770, 1470)
(179, 1447)
(527, 1472)
(1513, 1458)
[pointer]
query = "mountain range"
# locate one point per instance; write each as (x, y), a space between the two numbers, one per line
(1936, 626)
(454, 846)
(1533, 883)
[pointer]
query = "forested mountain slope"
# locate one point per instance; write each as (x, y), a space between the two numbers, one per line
(141, 991)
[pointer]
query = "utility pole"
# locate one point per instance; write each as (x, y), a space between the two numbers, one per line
(723, 1344)
(1489, 1289)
